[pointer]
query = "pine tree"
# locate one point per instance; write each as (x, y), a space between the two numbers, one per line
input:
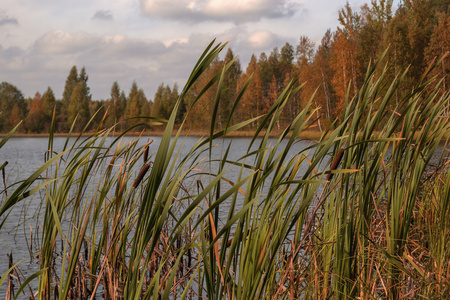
(116, 105)
(287, 57)
(156, 107)
(374, 22)
(71, 81)
(78, 106)
(132, 109)
(264, 73)
(182, 107)
(48, 103)
(166, 103)
(137, 105)
(229, 92)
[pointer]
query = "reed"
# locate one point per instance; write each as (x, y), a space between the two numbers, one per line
(362, 213)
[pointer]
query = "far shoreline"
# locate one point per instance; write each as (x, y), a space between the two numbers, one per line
(308, 135)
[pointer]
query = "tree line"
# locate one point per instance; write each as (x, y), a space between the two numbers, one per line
(414, 35)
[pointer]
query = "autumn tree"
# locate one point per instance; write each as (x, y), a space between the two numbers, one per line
(310, 75)
(35, 120)
(12, 106)
(439, 46)
(304, 53)
(321, 67)
(252, 104)
(344, 60)
(200, 112)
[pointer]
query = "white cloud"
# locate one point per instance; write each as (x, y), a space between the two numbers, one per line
(61, 42)
(260, 39)
(237, 11)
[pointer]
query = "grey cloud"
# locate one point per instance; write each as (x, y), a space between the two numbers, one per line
(110, 58)
(103, 15)
(236, 11)
(121, 47)
(4, 19)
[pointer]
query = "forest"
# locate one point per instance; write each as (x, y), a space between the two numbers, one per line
(414, 34)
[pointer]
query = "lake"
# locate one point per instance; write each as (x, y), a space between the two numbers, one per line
(26, 154)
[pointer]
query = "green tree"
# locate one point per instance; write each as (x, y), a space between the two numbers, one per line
(71, 82)
(78, 106)
(137, 105)
(166, 103)
(287, 56)
(374, 23)
(48, 103)
(264, 74)
(408, 35)
(157, 101)
(305, 50)
(182, 108)
(116, 104)
(230, 83)
(274, 61)
(83, 78)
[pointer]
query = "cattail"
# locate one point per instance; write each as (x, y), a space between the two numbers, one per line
(145, 153)
(4, 177)
(335, 163)
(141, 175)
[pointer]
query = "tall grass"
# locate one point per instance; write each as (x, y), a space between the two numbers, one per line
(360, 214)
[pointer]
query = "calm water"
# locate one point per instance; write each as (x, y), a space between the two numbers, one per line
(26, 155)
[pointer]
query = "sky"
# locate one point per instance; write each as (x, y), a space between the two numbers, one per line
(147, 41)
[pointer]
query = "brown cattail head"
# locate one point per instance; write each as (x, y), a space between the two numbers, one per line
(141, 175)
(145, 153)
(336, 162)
